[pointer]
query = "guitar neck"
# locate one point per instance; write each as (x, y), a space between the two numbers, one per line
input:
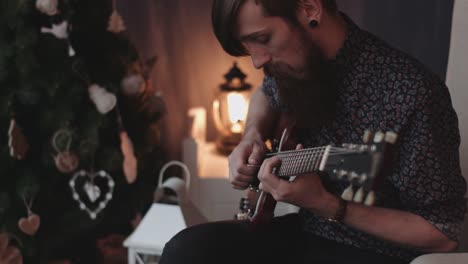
(296, 162)
(360, 165)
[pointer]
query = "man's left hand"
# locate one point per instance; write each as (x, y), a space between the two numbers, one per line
(305, 191)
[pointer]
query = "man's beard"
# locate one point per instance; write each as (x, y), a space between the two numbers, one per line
(311, 98)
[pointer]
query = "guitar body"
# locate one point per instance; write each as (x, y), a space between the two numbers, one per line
(261, 205)
(265, 203)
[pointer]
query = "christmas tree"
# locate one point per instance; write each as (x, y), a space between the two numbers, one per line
(79, 135)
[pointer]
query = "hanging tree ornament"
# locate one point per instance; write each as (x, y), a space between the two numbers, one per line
(137, 77)
(104, 100)
(133, 84)
(31, 224)
(60, 31)
(116, 23)
(130, 163)
(65, 160)
(93, 192)
(17, 141)
(48, 7)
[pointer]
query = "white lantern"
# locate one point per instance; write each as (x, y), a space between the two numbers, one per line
(230, 109)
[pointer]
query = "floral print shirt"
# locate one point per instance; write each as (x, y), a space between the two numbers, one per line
(383, 89)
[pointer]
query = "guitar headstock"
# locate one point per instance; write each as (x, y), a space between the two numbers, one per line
(361, 165)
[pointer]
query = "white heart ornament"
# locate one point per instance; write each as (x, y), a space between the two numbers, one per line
(107, 196)
(104, 100)
(92, 191)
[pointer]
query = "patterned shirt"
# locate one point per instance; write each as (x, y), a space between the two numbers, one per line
(383, 89)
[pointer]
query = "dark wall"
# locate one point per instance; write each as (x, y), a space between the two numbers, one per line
(419, 27)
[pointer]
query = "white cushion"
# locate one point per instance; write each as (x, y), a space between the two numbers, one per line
(446, 258)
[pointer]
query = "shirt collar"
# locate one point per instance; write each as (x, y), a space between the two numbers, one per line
(351, 46)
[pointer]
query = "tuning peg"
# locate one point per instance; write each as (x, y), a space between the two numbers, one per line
(391, 137)
(379, 137)
(367, 137)
(359, 196)
(341, 173)
(370, 199)
(348, 193)
(362, 178)
(254, 187)
(353, 176)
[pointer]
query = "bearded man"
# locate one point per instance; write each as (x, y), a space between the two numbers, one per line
(334, 81)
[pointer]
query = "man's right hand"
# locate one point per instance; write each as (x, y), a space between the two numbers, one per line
(244, 163)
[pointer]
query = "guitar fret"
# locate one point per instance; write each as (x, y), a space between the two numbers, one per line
(304, 164)
(293, 165)
(289, 161)
(310, 160)
(289, 164)
(299, 165)
(291, 168)
(318, 159)
(314, 161)
(284, 165)
(324, 150)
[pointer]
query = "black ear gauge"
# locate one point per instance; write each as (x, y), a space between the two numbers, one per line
(313, 23)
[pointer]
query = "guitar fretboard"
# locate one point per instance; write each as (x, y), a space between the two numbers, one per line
(301, 161)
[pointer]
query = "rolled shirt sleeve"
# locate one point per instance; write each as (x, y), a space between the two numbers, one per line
(429, 177)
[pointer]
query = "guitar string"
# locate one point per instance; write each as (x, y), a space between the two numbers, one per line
(332, 150)
(331, 153)
(311, 158)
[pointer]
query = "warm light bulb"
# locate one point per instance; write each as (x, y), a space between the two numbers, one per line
(236, 82)
(237, 107)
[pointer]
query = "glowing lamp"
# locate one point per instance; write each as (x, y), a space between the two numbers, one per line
(230, 109)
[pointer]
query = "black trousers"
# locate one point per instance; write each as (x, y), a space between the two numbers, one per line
(283, 241)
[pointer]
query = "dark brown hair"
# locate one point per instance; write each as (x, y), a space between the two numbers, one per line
(224, 16)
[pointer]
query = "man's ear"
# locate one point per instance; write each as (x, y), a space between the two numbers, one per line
(309, 10)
